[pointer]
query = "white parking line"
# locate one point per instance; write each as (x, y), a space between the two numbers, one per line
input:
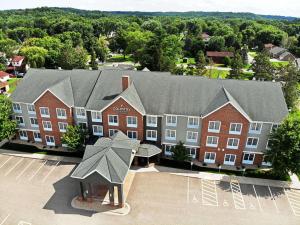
(24, 223)
(51, 171)
(11, 169)
(209, 193)
(3, 221)
(23, 171)
(188, 190)
(273, 199)
(36, 172)
(238, 199)
(294, 202)
(5, 163)
(257, 199)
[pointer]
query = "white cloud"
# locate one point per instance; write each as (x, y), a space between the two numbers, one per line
(272, 7)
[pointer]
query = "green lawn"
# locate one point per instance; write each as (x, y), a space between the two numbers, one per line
(120, 58)
(253, 54)
(280, 64)
(13, 84)
(189, 61)
(214, 73)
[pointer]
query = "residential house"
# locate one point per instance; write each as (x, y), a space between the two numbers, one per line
(4, 76)
(17, 65)
(218, 57)
(205, 37)
(275, 52)
(287, 56)
(4, 87)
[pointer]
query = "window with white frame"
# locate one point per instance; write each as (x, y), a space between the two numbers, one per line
(20, 121)
(212, 141)
(132, 134)
(31, 109)
(62, 126)
(44, 112)
(248, 158)
(61, 113)
(170, 135)
(82, 125)
(47, 125)
(171, 120)
(255, 128)
(98, 130)
(96, 116)
(191, 136)
(80, 113)
(131, 121)
(168, 150)
(233, 143)
(235, 128)
(34, 122)
(23, 135)
(37, 136)
(151, 135)
(214, 126)
(50, 140)
(17, 108)
(151, 121)
(229, 159)
(193, 122)
(274, 127)
(265, 161)
(209, 157)
(113, 120)
(111, 132)
(191, 152)
(252, 142)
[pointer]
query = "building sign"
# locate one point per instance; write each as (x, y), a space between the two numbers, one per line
(121, 109)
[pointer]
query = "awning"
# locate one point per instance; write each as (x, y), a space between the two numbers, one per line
(147, 151)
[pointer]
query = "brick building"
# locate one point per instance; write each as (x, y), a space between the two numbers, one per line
(219, 121)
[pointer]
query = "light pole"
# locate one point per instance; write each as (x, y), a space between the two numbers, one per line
(219, 168)
(244, 170)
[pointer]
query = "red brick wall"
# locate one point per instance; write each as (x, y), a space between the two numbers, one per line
(112, 110)
(52, 102)
(258, 159)
(227, 114)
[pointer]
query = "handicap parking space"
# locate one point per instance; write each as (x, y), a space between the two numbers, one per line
(225, 195)
(293, 197)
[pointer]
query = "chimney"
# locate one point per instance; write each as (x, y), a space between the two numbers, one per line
(125, 82)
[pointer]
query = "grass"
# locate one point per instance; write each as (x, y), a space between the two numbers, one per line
(214, 73)
(120, 58)
(189, 61)
(279, 64)
(13, 84)
(253, 54)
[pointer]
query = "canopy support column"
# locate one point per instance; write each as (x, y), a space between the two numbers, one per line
(121, 196)
(111, 195)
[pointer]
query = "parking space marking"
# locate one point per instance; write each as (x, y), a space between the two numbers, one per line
(238, 199)
(5, 163)
(24, 223)
(23, 171)
(3, 221)
(36, 172)
(12, 168)
(257, 198)
(188, 190)
(209, 193)
(294, 200)
(273, 199)
(51, 171)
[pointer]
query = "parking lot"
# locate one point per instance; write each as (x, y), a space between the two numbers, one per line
(38, 192)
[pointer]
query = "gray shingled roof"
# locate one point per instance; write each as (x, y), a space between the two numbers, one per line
(146, 150)
(110, 158)
(277, 50)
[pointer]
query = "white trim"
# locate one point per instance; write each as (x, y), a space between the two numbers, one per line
(53, 94)
(16, 111)
(191, 146)
(254, 131)
(193, 126)
(134, 131)
(235, 132)
(151, 124)
(131, 125)
(97, 134)
(167, 143)
(80, 116)
(60, 130)
(170, 138)
(212, 145)
(96, 120)
(210, 160)
(50, 143)
(191, 140)
(47, 129)
(31, 112)
(232, 147)
(37, 139)
(113, 124)
(214, 130)
(61, 117)
(34, 125)
(171, 124)
(248, 162)
(23, 138)
(257, 153)
(251, 146)
(44, 115)
(117, 98)
(229, 162)
(20, 124)
(151, 138)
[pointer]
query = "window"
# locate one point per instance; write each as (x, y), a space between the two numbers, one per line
(265, 162)
(80, 113)
(193, 122)
(23, 135)
(131, 121)
(255, 128)
(252, 142)
(151, 121)
(62, 126)
(113, 120)
(37, 136)
(214, 126)
(44, 112)
(47, 125)
(248, 158)
(34, 122)
(50, 140)
(97, 130)
(20, 121)
(191, 136)
(151, 135)
(31, 109)
(82, 125)
(274, 127)
(171, 121)
(229, 159)
(96, 116)
(209, 157)
(191, 152)
(132, 134)
(233, 143)
(212, 141)
(112, 132)
(235, 128)
(61, 113)
(171, 135)
(17, 108)
(168, 150)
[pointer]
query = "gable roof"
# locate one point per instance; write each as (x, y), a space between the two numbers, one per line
(3, 74)
(17, 58)
(277, 50)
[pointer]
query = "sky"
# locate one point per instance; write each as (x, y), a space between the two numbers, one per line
(269, 7)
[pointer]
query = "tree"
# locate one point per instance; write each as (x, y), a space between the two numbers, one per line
(102, 49)
(180, 153)
(262, 67)
(236, 66)
(73, 58)
(7, 126)
(284, 144)
(216, 43)
(35, 56)
(74, 137)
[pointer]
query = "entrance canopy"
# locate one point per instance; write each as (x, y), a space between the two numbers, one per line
(147, 151)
